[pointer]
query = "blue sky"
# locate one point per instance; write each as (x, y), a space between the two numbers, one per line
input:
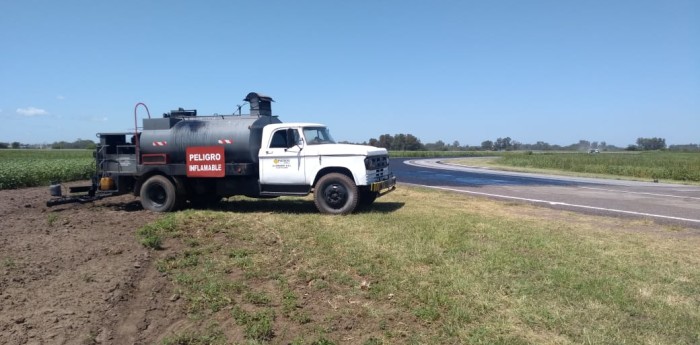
(555, 71)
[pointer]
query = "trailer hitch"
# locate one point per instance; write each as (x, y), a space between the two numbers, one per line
(60, 199)
(74, 199)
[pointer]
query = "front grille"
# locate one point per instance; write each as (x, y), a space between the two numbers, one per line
(377, 162)
(377, 175)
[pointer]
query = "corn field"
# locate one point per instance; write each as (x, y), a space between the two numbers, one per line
(646, 165)
(29, 168)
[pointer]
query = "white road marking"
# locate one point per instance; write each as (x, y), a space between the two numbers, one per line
(555, 203)
(642, 193)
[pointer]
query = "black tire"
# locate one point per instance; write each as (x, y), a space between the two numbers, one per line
(158, 194)
(336, 194)
(367, 197)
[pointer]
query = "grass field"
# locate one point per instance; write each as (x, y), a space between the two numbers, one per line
(650, 165)
(446, 270)
(684, 167)
(28, 168)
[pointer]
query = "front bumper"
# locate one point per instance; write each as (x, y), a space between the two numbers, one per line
(388, 184)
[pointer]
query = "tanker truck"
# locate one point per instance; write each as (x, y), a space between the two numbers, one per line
(183, 159)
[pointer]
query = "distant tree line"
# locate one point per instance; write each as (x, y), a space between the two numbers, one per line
(14, 145)
(398, 142)
(409, 142)
(685, 148)
(508, 144)
(77, 144)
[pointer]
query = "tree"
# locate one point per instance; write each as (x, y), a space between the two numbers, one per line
(401, 142)
(541, 145)
(385, 141)
(4, 145)
(651, 143)
(503, 143)
(15, 144)
(436, 146)
(487, 145)
(413, 143)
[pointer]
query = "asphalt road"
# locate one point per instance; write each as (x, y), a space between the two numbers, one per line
(664, 203)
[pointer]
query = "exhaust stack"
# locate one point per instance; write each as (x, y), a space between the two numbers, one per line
(260, 105)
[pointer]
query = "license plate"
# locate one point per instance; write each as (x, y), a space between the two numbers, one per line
(378, 186)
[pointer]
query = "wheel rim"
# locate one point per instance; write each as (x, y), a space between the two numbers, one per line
(335, 195)
(157, 195)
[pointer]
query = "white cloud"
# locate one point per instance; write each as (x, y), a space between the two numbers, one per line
(60, 97)
(99, 119)
(31, 111)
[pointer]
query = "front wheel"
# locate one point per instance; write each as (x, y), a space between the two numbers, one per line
(336, 194)
(158, 194)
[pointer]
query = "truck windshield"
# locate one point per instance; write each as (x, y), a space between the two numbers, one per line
(318, 135)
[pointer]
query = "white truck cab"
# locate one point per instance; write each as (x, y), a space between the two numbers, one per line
(303, 157)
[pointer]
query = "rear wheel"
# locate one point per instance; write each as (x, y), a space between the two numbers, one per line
(158, 194)
(336, 194)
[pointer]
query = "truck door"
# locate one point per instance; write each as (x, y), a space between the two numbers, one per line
(281, 162)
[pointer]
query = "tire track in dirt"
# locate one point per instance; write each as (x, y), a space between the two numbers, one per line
(76, 274)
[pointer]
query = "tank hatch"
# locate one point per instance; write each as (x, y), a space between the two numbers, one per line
(180, 112)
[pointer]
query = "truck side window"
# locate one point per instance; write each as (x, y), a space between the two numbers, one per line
(295, 137)
(279, 139)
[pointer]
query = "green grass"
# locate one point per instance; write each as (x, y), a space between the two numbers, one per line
(647, 165)
(476, 271)
(51, 219)
(9, 263)
(212, 335)
(29, 168)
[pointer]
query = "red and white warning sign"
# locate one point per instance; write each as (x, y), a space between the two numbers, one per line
(206, 161)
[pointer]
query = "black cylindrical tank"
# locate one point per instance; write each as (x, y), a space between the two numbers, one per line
(239, 135)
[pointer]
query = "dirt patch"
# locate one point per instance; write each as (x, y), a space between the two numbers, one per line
(76, 274)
